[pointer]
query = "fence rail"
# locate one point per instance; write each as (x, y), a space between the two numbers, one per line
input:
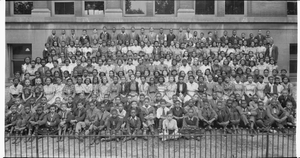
(210, 144)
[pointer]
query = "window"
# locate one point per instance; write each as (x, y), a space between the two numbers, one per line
(234, 7)
(23, 7)
(94, 7)
(205, 6)
(292, 8)
(293, 48)
(64, 8)
(164, 6)
(293, 66)
(135, 7)
(293, 57)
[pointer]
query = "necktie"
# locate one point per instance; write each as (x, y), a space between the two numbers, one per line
(164, 113)
(275, 88)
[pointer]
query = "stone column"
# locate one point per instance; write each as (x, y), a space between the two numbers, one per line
(186, 8)
(40, 8)
(114, 8)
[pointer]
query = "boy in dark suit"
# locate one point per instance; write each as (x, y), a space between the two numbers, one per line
(78, 118)
(52, 120)
(64, 113)
(190, 125)
(133, 126)
(207, 115)
(36, 122)
(223, 115)
(23, 121)
(11, 121)
(261, 117)
(113, 126)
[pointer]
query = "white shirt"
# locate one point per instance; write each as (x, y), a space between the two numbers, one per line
(71, 49)
(186, 69)
(159, 112)
(101, 68)
(148, 50)
(67, 68)
(135, 49)
(50, 65)
(128, 67)
(203, 68)
(192, 88)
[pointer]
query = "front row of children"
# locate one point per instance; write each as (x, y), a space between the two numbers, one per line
(133, 119)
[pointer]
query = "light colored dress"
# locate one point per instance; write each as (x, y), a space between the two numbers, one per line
(58, 92)
(49, 91)
(170, 91)
(103, 89)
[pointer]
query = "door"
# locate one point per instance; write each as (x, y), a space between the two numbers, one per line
(18, 52)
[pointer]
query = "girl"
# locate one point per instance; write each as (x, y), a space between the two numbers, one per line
(88, 89)
(68, 90)
(49, 91)
(27, 91)
(287, 85)
(59, 86)
(273, 65)
(260, 89)
(89, 67)
(219, 88)
(103, 89)
(238, 86)
(114, 88)
(228, 88)
(49, 62)
(38, 90)
(152, 89)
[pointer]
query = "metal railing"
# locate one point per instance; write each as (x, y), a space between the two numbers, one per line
(209, 144)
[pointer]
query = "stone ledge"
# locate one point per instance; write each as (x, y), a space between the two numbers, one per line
(115, 16)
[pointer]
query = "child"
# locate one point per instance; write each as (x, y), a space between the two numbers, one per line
(162, 114)
(78, 118)
(91, 118)
(223, 116)
(207, 115)
(113, 126)
(149, 115)
(23, 121)
(27, 91)
(261, 117)
(235, 117)
(11, 120)
(15, 91)
(35, 122)
(52, 120)
(290, 113)
(170, 129)
(133, 126)
(63, 125)
(190, 125)
(247, 115)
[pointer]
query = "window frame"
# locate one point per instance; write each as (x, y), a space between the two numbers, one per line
(215, 9)
(238, 15)
(287, 8)
(83, 8)
(12, 9)
(165, 15)
(61, 15)
(133, 15)
(293, 57)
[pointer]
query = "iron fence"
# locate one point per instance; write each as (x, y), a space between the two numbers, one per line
(210, 144)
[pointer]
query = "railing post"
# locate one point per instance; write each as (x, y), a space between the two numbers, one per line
(267, 145)
(37, 145)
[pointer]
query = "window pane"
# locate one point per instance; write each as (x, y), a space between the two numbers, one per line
(64, 7)
(293, 66)
(293, 48)
(234, 7)
(94, 8)
(292, 8)
(164, 6)
(205, 7)
(23, 7)
(135, 7)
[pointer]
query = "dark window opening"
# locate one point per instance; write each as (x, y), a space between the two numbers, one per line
(23, 7)
(94, 8)
(164, 6)
(66, 8)
(234, 7)
(205, 7)
(292, 8)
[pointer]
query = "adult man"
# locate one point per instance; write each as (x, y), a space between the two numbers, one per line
(114, 35)
(180, 36)
(272, 51)
(234, 37)
(105, 36)
(142, 35)
(188, 36)
(285, 97)
(53, 38)
(64, 38)
(260, 37)
(161, 36)
(84, 38)
(170, 37)
(123, 36)
(72, 37)
(133, 35)
(152, 35)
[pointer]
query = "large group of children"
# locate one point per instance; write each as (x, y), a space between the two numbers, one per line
(138, 84)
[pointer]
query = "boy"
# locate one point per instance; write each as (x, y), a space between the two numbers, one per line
(52, 120)
(207, 115)
(78, 117)
(91, 118)
(247, 115)
(133, 126)
(63, 125)
(36, 122)
(190, 125)
(149, 115)
(276, 114)
(11, 120)
(261, 117)
(161, 114)
(235, 116)
(178, 113)
(290, 113)
(223, 116)
(23, 121)
(113, 126)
